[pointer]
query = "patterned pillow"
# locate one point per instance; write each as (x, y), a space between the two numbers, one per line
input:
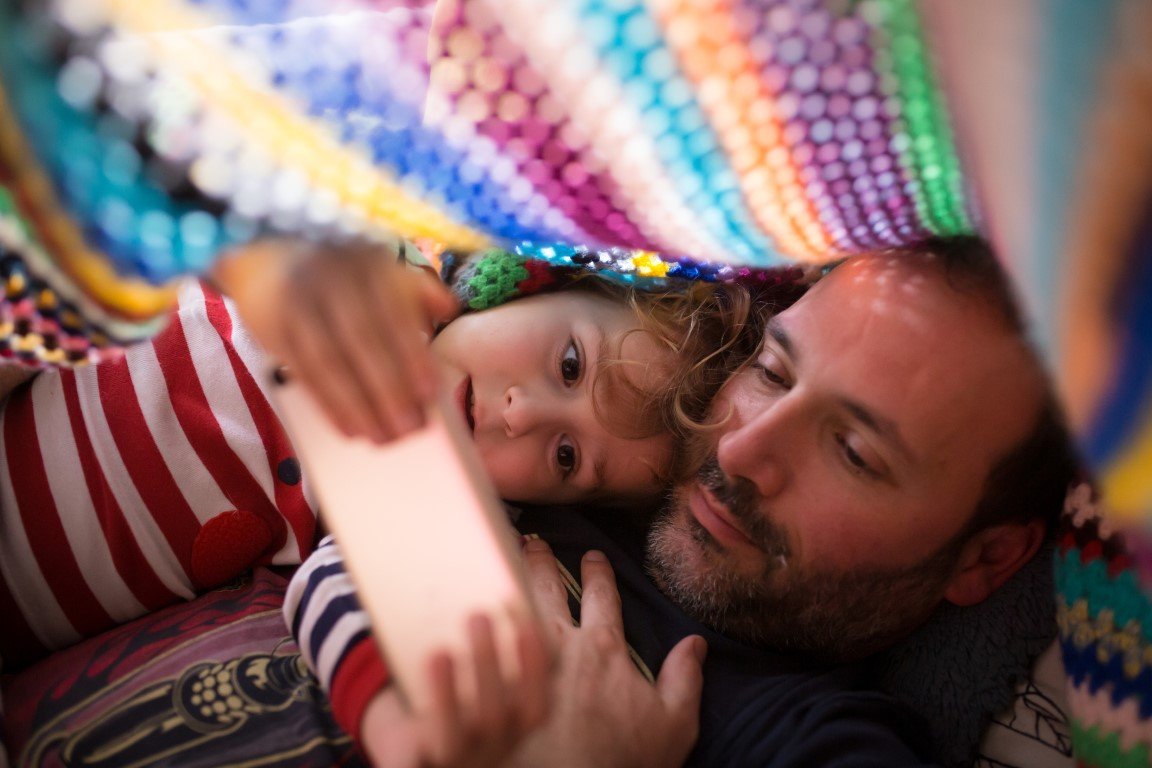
(217, 681)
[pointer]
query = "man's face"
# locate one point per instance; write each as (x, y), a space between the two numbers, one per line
(855, 451)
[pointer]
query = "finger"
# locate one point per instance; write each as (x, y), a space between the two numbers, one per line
(342, 382)
(376, 354)
(445, 730)
(389, 734)
(681, 681)
(315, 365)
(317, 360)
(533, 694)
(405, 319)
(440, 303)
(600, 602)
(489, 718)
(546, 586)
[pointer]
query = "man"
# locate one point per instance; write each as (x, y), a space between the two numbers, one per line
(853, 471)
(892, 447)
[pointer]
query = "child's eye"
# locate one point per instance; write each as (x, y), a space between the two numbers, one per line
(566, 456)
(570, 363)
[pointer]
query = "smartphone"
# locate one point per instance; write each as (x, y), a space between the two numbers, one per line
(424, 536)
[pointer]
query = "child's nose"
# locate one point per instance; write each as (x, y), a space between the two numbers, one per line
(525, 411)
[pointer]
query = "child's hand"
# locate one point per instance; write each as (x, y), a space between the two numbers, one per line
(349, 323)
(453, 734)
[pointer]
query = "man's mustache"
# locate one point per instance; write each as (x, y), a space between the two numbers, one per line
(740, 498)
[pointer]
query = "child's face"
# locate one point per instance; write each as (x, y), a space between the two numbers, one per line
(522, 375)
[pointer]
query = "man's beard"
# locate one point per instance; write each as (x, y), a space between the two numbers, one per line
(822, 613)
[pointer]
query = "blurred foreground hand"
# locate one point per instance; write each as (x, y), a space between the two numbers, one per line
(479, 732)
(349, 322)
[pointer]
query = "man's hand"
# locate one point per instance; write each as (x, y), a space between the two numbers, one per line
(454, 733)
(350, 324)
(604, 712)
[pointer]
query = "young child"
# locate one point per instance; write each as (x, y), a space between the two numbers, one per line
(142, 481)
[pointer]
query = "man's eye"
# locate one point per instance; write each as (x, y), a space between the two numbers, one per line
(570, 364)
(770, 376)
(566, 456)
(853, 457)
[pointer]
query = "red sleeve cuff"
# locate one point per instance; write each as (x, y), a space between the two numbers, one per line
(359, 677)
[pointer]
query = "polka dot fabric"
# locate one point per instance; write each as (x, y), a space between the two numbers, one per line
(142, 139)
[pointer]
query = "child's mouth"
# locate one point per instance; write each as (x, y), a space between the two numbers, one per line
(470, 406)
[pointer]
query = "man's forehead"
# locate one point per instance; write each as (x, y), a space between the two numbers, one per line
(906, 288)
(899, 338)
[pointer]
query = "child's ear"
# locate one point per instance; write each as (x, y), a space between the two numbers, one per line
(990, 558)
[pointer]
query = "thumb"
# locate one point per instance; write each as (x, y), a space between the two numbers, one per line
(440, 304)
(681, 680)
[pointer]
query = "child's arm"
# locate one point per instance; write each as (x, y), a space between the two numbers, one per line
(334, 637)
(332, 630)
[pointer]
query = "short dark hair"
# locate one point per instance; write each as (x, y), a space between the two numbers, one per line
(972, 267)
(1031, 481)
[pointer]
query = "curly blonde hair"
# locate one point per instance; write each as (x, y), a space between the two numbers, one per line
(712, 330)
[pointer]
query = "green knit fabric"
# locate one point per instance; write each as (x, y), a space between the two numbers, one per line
(495, 279)
(1094, 748)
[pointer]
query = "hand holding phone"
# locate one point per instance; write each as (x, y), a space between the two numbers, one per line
(424, 537)
(457, 734)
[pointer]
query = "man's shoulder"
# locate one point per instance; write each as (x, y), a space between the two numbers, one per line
(806, 717)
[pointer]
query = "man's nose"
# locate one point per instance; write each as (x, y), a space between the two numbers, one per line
(526, 410)
(758, 450)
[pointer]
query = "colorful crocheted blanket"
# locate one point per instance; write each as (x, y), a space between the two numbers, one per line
(169, 130)
(650, 140)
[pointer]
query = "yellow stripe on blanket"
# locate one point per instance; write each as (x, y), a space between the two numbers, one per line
(274, 123)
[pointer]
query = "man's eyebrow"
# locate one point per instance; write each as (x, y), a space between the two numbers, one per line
(883, 426)
(776, 330)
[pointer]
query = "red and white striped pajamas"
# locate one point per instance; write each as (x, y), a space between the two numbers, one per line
(139, 482)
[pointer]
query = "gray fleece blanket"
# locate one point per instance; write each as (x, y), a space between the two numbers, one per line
(961, 667)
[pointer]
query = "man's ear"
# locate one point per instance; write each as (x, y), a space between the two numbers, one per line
(990, 558)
